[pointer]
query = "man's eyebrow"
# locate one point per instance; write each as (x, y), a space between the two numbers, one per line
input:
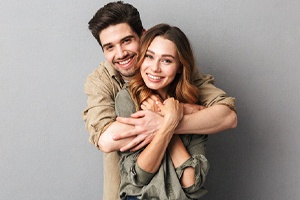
(127, 37)
(124, 38)
(104, 45)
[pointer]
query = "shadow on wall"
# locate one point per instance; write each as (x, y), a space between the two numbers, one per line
(243, 162)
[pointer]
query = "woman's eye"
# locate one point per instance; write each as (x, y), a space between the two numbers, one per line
(167, 61)
(148, 56)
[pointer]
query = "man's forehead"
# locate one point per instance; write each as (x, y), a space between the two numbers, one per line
(115, 33)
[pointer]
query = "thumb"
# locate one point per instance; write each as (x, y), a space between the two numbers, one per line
(138, 114)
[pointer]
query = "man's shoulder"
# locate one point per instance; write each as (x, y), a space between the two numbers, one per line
(100, 77)
(104, 69)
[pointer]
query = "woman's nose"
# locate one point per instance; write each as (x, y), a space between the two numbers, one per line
(156, 66)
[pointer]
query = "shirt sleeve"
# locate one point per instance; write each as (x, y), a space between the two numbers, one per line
(196, 146)
(209, 93)
(100, 111)
(136, 175)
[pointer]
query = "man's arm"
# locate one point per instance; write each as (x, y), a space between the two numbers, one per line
(106, 142)
(148, 123)
(219, 115)
(101, 88)
(211, 120)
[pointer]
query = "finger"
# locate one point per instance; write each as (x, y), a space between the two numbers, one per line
(125, 134)
(159, 104)
(150, 101)
(138, 114)
(124, 120)
(146, 105)
(146, 141)
(137, 140)
(141, 145)
(155, 98)
(201, 107)
(127, 120)
(128, 146)
(143, 107)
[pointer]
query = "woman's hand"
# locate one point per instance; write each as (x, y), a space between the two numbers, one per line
(172, 110)
(150, 103)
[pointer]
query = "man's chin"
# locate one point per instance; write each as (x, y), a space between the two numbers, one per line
(127, 75)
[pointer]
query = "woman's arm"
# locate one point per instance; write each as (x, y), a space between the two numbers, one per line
(179, 155)
(189, 161)
(150, 159)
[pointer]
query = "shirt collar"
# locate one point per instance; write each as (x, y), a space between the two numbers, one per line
(113, 72)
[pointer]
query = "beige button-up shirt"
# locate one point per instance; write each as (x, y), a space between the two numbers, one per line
(101, 88)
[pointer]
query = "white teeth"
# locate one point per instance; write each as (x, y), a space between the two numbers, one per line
(154, 77)
(125, 62)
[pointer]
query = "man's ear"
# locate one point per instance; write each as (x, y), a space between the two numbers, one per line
(144, 30)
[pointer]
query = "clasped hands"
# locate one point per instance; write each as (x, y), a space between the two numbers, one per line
(148, 120)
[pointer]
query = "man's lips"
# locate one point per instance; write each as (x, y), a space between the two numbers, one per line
(125, 64)
(125, 61)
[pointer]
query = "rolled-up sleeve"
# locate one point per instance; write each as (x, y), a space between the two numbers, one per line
(140, 177)
(196, 146)
(201, 166)
(100, 111)
(209, 93)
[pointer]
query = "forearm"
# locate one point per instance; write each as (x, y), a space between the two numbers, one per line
(211, 120)
(179, 155)
(151, 157)
(107, 143)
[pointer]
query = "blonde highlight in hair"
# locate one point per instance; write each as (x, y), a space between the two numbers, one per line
(182, 87)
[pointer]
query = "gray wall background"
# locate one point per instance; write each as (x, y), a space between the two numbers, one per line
(46, 52)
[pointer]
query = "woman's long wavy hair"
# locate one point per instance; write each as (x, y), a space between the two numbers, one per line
(182, 87)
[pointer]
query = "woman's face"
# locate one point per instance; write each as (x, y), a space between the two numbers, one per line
(160, 65)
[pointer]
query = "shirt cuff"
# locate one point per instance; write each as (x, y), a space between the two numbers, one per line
(201, 166)
(139, 176)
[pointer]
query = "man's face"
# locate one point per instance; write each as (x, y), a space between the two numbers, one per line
(120, 46)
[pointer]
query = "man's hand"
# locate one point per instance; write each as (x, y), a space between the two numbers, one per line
(146, 122)
(192, 108)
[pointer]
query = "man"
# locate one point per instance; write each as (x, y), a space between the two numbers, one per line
(117, 28)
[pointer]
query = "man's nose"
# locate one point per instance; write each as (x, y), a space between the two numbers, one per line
(120, 52)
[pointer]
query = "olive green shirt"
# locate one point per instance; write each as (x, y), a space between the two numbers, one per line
(163, 184)
(101, 88)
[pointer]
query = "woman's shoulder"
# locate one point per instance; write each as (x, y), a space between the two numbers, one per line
(124, 104)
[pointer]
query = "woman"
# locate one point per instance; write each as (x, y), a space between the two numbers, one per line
(171, 166)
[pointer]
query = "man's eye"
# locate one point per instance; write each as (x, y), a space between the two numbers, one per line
(127, 41)
(108, 48)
